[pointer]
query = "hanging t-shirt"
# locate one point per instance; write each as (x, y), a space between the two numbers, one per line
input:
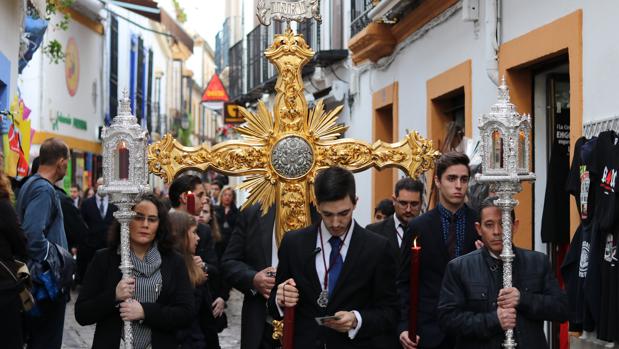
(578, 176)
(607, 166)
(555, 225)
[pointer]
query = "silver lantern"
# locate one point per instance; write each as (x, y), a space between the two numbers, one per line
(124, 179)
(505, 140)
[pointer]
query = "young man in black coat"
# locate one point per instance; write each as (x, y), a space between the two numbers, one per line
(336, 268)
(477, 310)
(445, 232)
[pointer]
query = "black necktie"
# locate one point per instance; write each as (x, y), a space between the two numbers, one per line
(101, 208)
(451, 237)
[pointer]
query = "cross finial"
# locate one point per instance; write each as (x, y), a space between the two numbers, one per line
(503, 91)
(125, 103)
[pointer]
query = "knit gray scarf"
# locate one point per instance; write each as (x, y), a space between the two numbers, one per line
(148, 283)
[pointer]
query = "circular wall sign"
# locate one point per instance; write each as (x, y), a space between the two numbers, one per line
(72, 66)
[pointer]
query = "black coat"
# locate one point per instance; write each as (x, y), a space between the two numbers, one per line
(98, 227)
(96, 303)
(468, 309)
(433, 261)
(249, 252)
(74, 225)
(386, 228)
(366, 284)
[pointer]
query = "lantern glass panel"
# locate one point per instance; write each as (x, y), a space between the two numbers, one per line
(496, 152)
(121, 157)
(522, 150)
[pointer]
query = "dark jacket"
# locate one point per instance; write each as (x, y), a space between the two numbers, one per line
(433, 261)
(366, 284)
(12, 246)
(249, 252)
(74, 225)
(97, 237)
(386, 228)
(96, 303)
(468, 309)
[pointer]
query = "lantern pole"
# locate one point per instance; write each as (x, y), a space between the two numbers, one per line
(124, 179)
(505, 138)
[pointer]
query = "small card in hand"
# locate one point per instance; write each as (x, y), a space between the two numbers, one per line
(322, 319)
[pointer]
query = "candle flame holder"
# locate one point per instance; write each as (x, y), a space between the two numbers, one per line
(505, 139)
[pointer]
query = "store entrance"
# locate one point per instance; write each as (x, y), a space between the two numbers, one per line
(551, 118)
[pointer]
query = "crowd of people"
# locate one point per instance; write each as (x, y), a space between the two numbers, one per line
(349, 285)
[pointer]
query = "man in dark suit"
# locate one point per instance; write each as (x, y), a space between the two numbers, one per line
(336, 268)
(248, 265)
(407, 199)
(445, 232)
(98, 214)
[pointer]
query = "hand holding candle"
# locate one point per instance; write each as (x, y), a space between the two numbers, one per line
(191, 203)
(414, 291)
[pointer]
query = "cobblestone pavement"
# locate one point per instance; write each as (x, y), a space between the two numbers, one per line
(80, 337)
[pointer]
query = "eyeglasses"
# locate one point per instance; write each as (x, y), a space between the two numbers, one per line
(141, 218)
(404, 203)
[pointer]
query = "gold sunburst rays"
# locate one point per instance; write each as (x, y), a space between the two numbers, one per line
(322, 126)
(259, 126)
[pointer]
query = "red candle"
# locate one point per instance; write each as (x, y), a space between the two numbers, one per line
(288, 340)
(414, 292)
(191, 203)
(123, 162)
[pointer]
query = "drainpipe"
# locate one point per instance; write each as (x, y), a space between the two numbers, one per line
(492, 40)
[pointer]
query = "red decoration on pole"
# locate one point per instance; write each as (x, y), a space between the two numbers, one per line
(414, 292)
(123, 161)
(191, 203)
(288, 340)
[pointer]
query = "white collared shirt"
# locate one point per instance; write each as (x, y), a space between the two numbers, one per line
(399, 228)
(320, 267)
(320, 262)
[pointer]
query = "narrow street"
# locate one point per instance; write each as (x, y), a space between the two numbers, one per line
(80, 337)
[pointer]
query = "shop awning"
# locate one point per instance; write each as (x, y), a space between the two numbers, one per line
(150, 9)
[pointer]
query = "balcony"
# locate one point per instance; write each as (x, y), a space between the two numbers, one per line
(236, 70)
(373, 40)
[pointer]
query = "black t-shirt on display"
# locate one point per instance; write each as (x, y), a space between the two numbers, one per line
(607, 166)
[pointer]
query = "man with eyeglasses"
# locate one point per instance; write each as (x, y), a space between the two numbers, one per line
(407, 199)
(444, 233)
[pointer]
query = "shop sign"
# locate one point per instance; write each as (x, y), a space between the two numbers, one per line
(232, 115)
(76, 123)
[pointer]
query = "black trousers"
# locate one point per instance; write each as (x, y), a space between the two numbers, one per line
(45, 331)
(11, 321)
(267, 340)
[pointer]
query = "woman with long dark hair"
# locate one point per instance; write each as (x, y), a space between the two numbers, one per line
(12, 248)
(184, 229)
(227, 213)
(158, 299)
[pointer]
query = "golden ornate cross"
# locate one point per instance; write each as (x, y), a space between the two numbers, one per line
(281, 154)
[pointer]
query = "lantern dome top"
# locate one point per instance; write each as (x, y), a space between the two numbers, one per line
(504, 111)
